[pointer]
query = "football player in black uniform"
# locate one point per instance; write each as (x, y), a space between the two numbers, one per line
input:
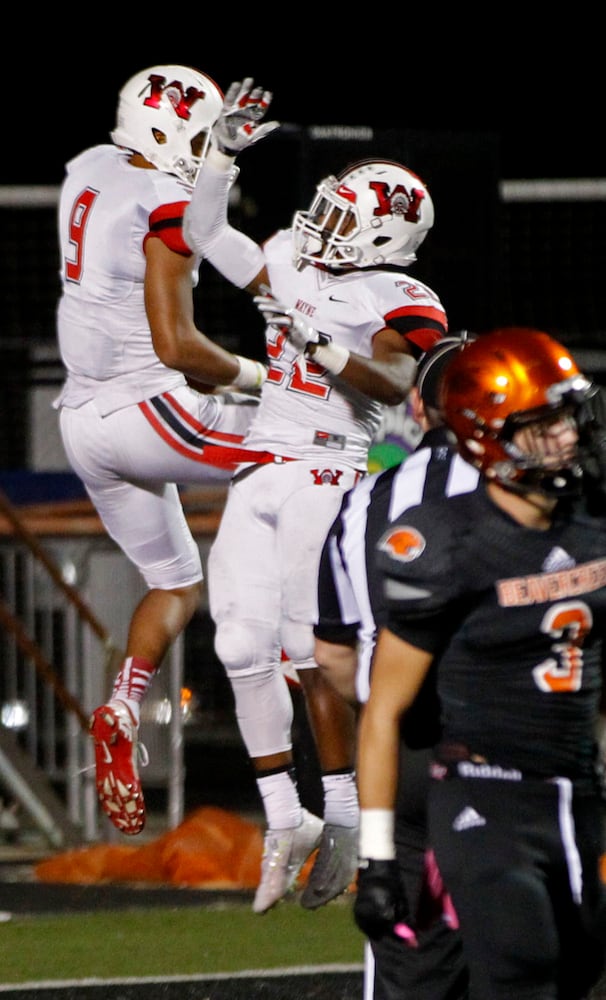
(351, 608)
(503, 592)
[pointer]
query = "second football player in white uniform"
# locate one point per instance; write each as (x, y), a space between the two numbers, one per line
(345, 325)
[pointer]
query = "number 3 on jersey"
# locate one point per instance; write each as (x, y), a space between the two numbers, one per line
(568, 624)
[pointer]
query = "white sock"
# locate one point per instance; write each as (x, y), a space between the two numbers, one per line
(341, 799)
(280, 800)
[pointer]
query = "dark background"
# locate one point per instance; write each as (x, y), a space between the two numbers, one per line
(538, 85)
(465, 100)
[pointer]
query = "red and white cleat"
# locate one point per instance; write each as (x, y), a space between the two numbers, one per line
(114, 733)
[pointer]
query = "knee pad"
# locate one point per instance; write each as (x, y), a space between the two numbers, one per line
(234, 646)
(244, 648)
(264, 710)
(251, 656)
(298, 642)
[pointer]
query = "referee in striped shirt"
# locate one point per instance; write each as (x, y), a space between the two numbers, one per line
(350, 613)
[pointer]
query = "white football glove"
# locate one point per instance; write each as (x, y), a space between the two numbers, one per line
(237, 127)
(286, 321)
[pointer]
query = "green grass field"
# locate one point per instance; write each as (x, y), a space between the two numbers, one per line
(176, 941)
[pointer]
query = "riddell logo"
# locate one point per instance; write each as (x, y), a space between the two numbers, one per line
(404, 544)
(182, 101)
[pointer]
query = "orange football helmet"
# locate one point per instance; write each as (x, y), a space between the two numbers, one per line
(501, 382)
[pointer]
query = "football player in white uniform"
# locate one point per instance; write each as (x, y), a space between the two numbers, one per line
(131, 424)
(345, 323)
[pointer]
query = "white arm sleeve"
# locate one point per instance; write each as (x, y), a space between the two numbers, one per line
(207, 231)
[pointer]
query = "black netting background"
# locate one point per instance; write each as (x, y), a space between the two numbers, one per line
(492, 263)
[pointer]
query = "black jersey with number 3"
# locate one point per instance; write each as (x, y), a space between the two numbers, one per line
(516, 619)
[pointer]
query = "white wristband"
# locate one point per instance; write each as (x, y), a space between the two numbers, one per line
(252, 374)
(376, 834)
(332, 357)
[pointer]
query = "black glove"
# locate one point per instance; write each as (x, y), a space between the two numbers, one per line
(380, 904)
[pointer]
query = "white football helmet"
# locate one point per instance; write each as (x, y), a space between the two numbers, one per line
(161, 111)
(376, 212)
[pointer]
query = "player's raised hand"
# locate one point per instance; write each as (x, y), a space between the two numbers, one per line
(239, 124)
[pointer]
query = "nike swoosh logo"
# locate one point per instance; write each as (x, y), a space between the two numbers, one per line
(332, 299)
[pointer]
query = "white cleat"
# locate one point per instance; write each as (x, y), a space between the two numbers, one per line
(284, 854)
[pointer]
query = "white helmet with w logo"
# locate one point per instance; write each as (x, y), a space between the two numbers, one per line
(376, 212)
(166, 114)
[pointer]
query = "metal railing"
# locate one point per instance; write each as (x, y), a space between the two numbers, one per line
(57, 662)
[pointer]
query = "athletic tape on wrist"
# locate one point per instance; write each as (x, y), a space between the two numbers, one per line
(377, 834)
(252, 374)
(332, 357)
